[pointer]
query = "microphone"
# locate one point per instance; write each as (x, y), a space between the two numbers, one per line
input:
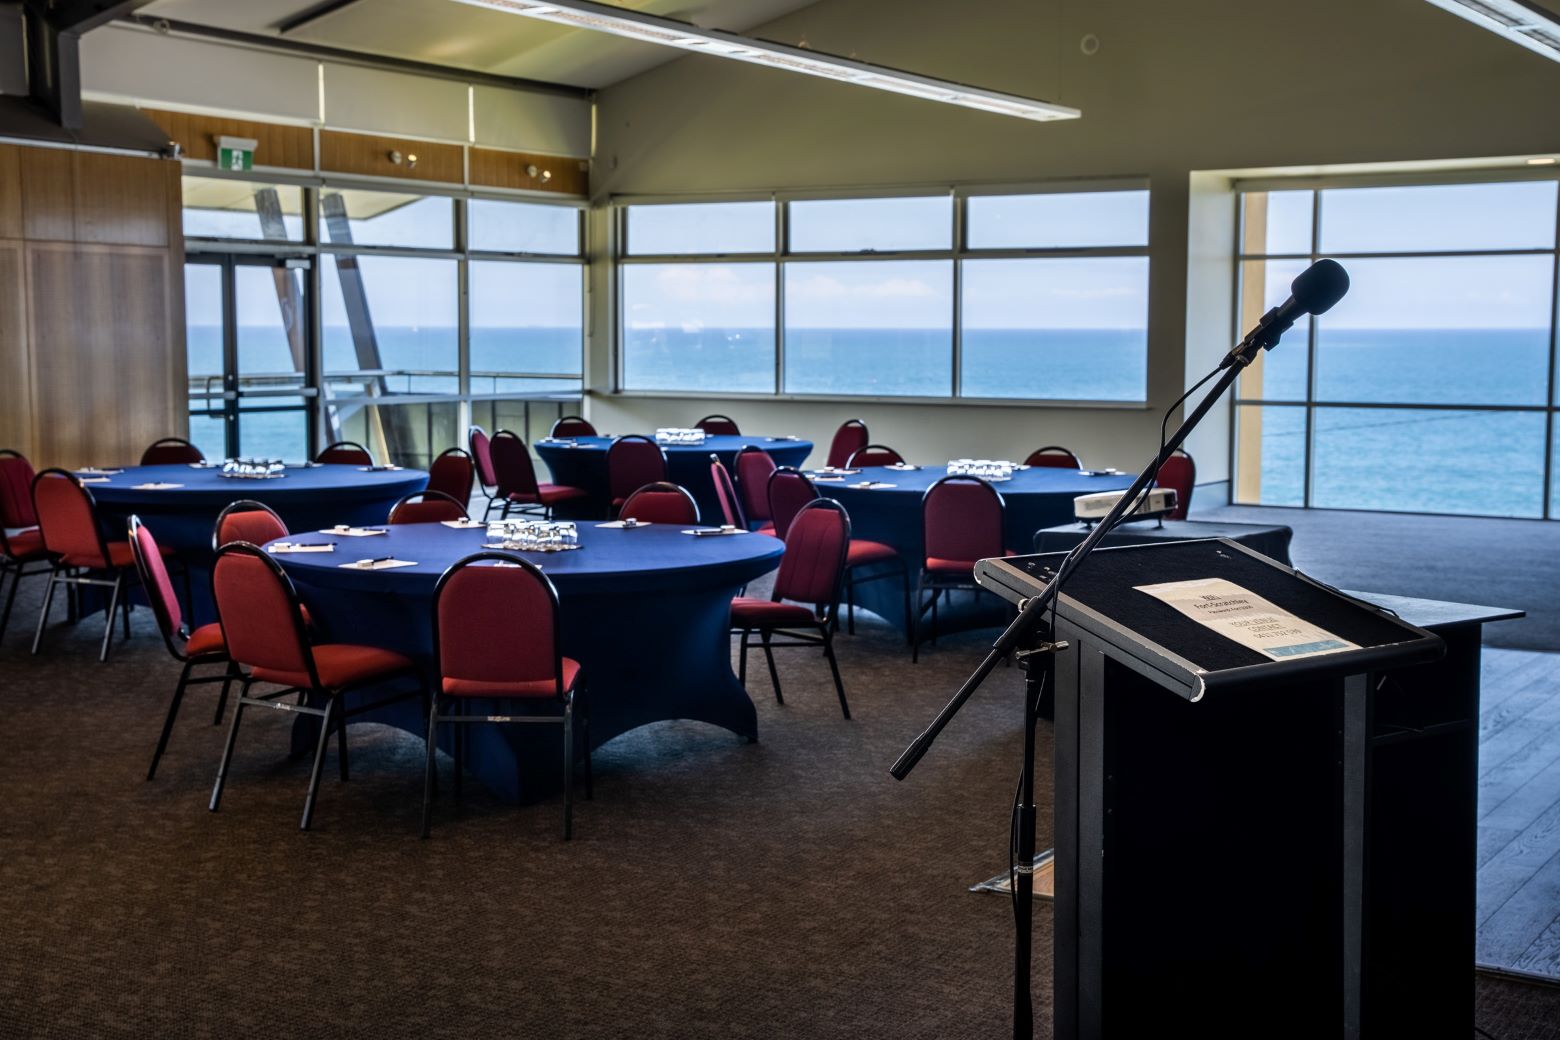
(1314, 291)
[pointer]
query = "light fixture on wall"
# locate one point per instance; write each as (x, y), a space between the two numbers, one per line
(669, 32)
(1519, 21)
(396, 159)
(533, 171)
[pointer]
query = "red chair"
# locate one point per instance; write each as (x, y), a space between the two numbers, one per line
(661, 503)
(345, 453)
(718, 426)
(482, 458)
(171, 451)
(810, 572)
(516, 478)
(632, 462)
(961, 522)
(726, 493)
(73, 537)
(789, 492)
(496, 638)
(204, 646)
(264, 629)
(851, 437)
(1178, 472)
(452, 474)
(426, 507)
(1054, 456)
(24, 544)
(874, 455)
(247, 521)
(754, 466)
(572, 426)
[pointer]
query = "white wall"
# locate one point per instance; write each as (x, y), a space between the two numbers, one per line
(1175, 88)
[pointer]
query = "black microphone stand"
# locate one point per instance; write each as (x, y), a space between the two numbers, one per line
(1029, 636)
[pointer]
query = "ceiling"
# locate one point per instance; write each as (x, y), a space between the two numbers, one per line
(444, 32)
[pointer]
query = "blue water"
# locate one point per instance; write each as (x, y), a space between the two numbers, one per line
(1462, 461)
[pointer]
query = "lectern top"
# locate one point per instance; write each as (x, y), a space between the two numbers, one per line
(1103, 597)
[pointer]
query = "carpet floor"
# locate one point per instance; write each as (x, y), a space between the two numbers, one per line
(714, 888)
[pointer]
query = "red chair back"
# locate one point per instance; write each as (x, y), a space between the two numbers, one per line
(726, 493)
(67, 517)
(850, 438)
(426, 507)
(153, 573)
(171, 451)
(874, 455)
(247, 521)
(572, 426)
(815, 550)
(1054, 456)
(718, 425)
(633, 462)
(962, 520)
(754, 467)
(482, 456)
(661, 503)
(1179, 472)
(513, 471)
(497, 624)
(345, 453)
(258, 608)
(789, 493)
(16, 479)
(451, 474)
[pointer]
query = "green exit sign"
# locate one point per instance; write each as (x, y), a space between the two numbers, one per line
(235, 153)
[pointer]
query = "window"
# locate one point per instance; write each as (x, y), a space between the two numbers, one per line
(216, 207)
(523, 227)
(351, 217)
(527, 324)
(1047, 297)
(1427, 388)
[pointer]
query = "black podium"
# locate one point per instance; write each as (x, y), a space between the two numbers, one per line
(1214, 807)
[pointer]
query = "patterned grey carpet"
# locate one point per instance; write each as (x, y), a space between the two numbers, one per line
(714, 888)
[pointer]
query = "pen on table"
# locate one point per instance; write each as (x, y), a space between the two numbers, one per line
(370, 563)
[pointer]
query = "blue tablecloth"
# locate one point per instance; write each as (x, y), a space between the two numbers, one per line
(584, 465)
(1037, 497)
(646, 612)
(306, 498)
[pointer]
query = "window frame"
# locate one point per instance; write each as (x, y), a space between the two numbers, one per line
(960, 251)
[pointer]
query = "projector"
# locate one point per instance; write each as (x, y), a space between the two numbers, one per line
(1153, 502)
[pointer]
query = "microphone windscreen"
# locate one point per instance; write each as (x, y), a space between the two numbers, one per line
(1320, 286)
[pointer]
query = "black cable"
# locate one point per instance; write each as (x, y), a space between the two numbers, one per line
(1482, 1033)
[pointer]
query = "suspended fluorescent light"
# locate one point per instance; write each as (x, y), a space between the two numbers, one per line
(669, 32)
(1519, 21)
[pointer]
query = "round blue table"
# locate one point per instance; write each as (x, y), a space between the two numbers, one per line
(306, 497)
(646, 612)
(582, 463)
(1037, 497)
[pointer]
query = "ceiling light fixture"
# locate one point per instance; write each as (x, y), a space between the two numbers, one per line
(669, 32)
(1520, 21)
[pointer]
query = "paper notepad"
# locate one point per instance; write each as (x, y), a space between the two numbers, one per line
(379, 565)
(293, 547)
(1242, 616)
(97, 471)
(378, 469)
(155, 487)
(464, 525)
(352, 532)
(872, 485)
(714, 532)
(624, 524)
(93, 480)
(822, 479)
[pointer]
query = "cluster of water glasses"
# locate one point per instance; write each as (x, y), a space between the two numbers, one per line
(986, 469)
(533, 535)
(677, 435)
(252, 469)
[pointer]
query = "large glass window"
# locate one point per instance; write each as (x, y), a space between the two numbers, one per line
(523, 227)
(526, 326)
(1045, 297)
(215, 207)
(1427, 388)
(352, 217)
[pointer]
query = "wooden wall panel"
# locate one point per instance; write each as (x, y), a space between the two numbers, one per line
(122, 200)
(100, 318)
(370, 154)
(495, 169)
(291, 147)
(15, 375)
(48, 194)
(10, 191)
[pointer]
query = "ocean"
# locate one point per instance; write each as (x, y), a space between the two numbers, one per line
(1420, 460)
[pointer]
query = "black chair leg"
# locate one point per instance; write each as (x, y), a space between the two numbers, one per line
(173, 713)
(834, 667)
(568, 771)
(769, 656)
(43, 614)
(915, 619)
(108, 618)
(319, 764)
(341, 744)
(227, 749)
(430, 766)
(10, 597)
(222, 698)
(850, 601)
